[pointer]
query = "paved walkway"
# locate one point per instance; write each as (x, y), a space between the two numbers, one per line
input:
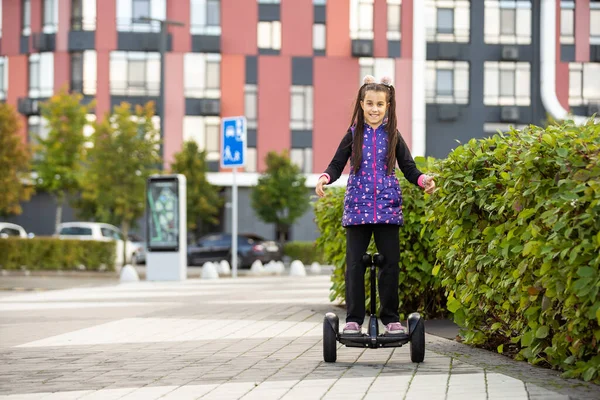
(250, 338)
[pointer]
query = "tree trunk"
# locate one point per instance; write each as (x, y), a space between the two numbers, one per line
(125, 231)
(58, 217)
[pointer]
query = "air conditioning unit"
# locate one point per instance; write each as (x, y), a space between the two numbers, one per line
(510, 53)
(362, 48)
(509, 114)
(28, 106)
(43, 42)
(593, 108)
(210, 107)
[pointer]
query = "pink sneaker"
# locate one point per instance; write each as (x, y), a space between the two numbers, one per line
(394, 328)
(351, 328)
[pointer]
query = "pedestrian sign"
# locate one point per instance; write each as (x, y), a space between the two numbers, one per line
(233, 142)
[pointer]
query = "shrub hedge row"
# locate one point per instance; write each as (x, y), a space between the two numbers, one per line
(513, 232)
(45, 253)
(518, 244)
(306, 252)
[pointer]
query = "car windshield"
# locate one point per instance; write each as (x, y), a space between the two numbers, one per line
(76, 231)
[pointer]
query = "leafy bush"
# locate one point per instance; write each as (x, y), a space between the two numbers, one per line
(418, 289)
(518, 242)
(306, 252)
(55, 254)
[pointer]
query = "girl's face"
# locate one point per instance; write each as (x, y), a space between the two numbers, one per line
(374, 106)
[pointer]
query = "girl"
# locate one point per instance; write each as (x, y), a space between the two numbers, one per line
(373, 200)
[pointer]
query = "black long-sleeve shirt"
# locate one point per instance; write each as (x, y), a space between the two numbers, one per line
(403, 157)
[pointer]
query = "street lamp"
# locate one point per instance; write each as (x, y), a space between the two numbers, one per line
(162, 49)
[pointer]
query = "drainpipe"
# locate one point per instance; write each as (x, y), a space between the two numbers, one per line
(418, 78)
(548, 65)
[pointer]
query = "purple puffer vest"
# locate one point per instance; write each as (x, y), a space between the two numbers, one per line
(373, 196)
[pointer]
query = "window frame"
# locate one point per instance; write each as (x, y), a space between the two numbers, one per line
(460, 94)
(394, 7)
(200, 10)
(500, 98)
(26, 17)
(273, 32)
(306, 95)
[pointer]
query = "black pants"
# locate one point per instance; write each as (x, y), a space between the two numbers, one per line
(387, 243)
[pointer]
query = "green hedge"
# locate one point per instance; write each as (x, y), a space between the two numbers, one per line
(418, 289)
(45, 253)
(306, 252)
(518, 243)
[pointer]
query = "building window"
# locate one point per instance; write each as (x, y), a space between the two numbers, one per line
(301, 108)
(41, 75)
(394, 9)
(507, 83)
(567, 22)
(202, 75)
(134, 73)
(303, 158)
(26, 18)
(250, 160)
(129, 13)
(376, 67)
(50, 16)
(83, 72)
(584, 83)
(269, 1)
(269, 35)
(319, 37)
(37, 128)
(447, 82)
(3, 77)
(83, 15)
(507, 22)
(361, 19)
(205, 17)
(595, 22)
(251, 106)
(0, 19)
(448, 20)
(205, 131)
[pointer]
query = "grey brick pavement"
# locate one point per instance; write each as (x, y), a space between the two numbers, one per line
(250, 338)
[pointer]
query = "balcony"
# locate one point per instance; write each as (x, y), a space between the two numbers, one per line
(133, 35)
(203, 107)
(28, 106)
(362, 48)
(43, 42)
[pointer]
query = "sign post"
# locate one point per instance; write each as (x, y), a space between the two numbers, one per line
(233, 155)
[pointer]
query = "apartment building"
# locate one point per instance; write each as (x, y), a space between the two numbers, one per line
(462, 69)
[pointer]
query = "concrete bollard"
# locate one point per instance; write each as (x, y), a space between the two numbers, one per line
(209, 271)
(224, 268)
(129, 274)
(257, 268)
(297, 268)
(315, 268)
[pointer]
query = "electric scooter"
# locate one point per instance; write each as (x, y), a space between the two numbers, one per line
(372, 339)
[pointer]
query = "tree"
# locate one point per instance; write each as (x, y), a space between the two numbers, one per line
(14, 163)
(280, 196)
(124, 155)
(59, 157)
(203, 199)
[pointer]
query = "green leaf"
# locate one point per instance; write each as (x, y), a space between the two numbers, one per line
(586, 272)
(527, 339)
(542, 332)
(589, 374)
(500, 349)
(562, 152)
(598, 316)
(436, 270)
(453, 305)
(582, 175)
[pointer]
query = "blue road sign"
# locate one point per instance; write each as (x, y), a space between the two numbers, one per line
(233, 142)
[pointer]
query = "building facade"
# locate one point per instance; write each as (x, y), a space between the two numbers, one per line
(462, 69)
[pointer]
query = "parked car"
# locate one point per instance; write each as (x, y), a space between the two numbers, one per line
(98, 231)
(139, 257)
(8, 229)
(217, 246)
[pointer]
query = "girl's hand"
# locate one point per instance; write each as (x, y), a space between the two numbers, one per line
(429, 184)
(319, 189)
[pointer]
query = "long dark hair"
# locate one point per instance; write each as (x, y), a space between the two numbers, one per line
(358, 121)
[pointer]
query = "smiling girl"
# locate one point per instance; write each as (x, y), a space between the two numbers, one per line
(373, 200)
